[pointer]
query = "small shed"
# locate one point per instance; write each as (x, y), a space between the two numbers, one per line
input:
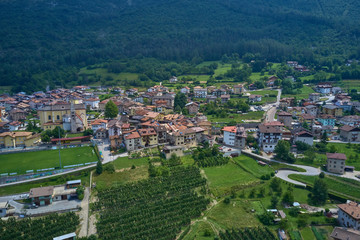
(73, 183)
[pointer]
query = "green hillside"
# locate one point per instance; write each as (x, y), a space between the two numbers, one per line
(53, 39)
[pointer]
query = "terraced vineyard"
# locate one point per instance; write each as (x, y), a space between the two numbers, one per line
(156, 208)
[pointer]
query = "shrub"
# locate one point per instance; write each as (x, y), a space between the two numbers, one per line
(227, 200)
(321, 175)
(110, 168)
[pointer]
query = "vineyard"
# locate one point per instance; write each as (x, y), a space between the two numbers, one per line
(156, 208)
(42, 228)
(248, 234)
(208, 157)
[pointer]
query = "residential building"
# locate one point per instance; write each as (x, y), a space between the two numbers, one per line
(185, 90)
(235, 136)
(350, 134)
(170, 150)
(19, 139)
(17, 114)
(352, 120)
(133, 141)
(193, 108)
(99, 123)
(200, 92)
(211, 98)
(148, 137)
(115, 127)
(116, 141)
(92, 103)
(309, 119)
(255, 98)
(285, 118)
(314, 97)
(225, 98)
(323, 88)
(238, 89)
(332, 110)
(336, 162)
(169, 98)
(312, 110)
(101, 133)
(173, 79)
(219, 92)
(71, 117)
(349, 215)
(343, 233)
(42, 196)
(303, 136)
(268, 137)
(326, 120)
(286, 102)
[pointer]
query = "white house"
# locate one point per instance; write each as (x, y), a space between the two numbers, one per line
(173, 79)
(349, 215)
(255, 98)
(234, 136)
(268, 137)
(93, 103)
(305, 137)
(185, 90)
(200, 92)
(99, 123)
(323, 88)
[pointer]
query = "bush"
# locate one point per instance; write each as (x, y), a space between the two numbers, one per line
(321, 175)
(110, 168)
(133, 167)
(227, 200)
(80, 192)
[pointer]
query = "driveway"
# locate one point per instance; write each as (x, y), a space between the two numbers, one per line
(270, 114)
(58, 206)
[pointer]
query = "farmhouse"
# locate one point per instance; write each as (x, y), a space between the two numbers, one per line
(349, 215)
(350, 134)
(342, 233)
(336, 162)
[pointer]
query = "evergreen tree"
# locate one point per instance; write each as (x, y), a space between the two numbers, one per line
(111, 110)
(99, 167)
(180, 100)
(319, 192)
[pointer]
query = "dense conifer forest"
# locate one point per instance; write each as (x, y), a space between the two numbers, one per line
(53, 39)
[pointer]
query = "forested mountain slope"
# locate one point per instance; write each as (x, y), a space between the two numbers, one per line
(55, 36)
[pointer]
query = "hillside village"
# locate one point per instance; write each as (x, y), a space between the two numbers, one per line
(188, 121)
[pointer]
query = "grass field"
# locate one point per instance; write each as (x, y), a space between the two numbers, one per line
(267, 99)
(104, 74)
(335, 185)
(307, 234)
(197, 231)
(237, 214)
(84, 176)
(305, 90)
(125, 162)
(237, 117)
(251, 166)
(21, 162)
(222, 178)
(107, 179)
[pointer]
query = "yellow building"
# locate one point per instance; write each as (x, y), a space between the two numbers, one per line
(148, 137)
(332, 110)
(69, 117)
(19, 139)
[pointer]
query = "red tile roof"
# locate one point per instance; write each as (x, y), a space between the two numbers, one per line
(339, 156)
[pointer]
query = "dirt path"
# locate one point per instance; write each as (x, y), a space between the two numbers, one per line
(84, 214)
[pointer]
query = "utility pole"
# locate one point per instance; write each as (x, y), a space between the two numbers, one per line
(59, 147)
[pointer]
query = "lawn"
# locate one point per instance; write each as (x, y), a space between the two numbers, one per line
(251, 166)
(255, 76)
(271, 98)
(197, 231)
(237, 117)
(21, 162)
(125, 162)
(124, 176)
(335, 185)
(222, 178)
(305, 91)
(84, 176)
(237, 214)
(307, 234)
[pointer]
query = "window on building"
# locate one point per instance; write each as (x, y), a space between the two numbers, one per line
(49, 117)
(58, 117)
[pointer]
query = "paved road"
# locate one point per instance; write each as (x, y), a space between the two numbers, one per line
(284, 174)
(270, 114)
